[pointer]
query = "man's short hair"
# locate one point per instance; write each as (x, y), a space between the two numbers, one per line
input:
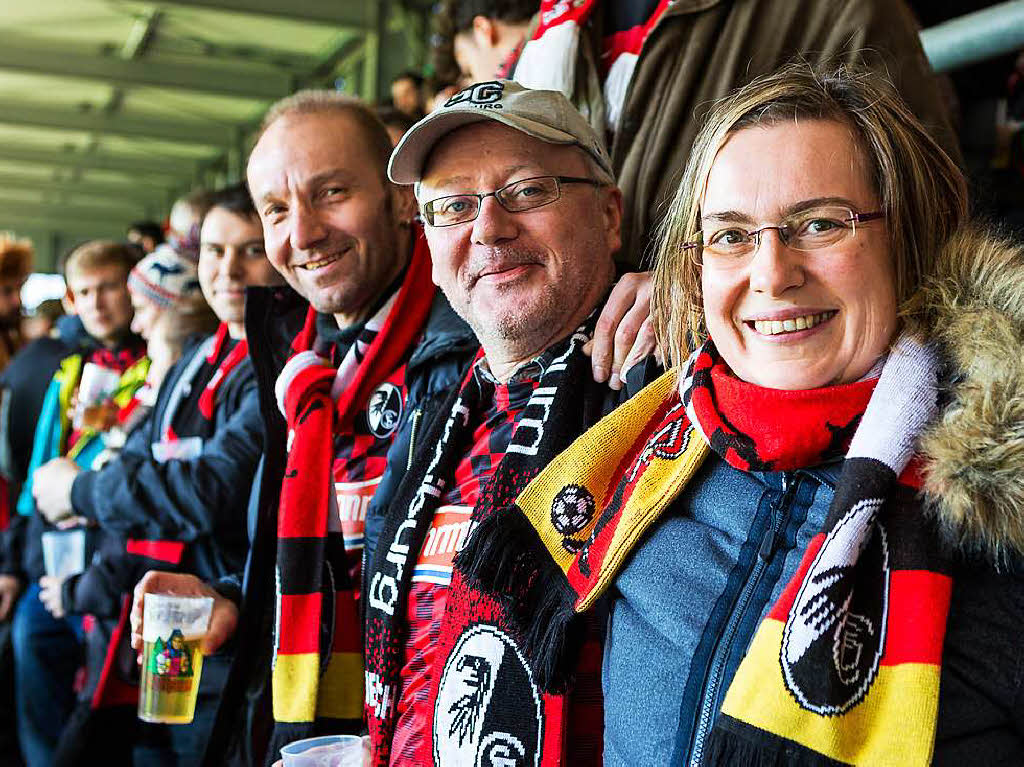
(51, 309)
(410, 74)
(198, 201)
(378, 142)
(510, 11)
(150, 229)
(395, 118)
(15, 257)
(234, 199)
(97, 254)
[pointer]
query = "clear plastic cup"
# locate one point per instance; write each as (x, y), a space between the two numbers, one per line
(325, 751)
(96, 385)
(172, 628)
(64, 552)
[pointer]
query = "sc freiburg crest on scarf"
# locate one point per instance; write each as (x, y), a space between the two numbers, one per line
(384, 410)
(837, 623)
(488, 710)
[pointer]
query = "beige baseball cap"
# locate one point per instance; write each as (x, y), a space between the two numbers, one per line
(546, 115)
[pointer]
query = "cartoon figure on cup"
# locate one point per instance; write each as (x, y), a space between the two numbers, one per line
(173, 659)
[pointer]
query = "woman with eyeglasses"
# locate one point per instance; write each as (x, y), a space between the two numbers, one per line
(807, 533)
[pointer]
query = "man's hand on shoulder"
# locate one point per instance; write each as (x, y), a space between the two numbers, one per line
(624, 334)
(223, 620)
(51, 488)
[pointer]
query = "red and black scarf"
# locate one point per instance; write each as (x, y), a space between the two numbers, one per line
(485, 694)
(845, 667)
(234, 358)
(315, 680)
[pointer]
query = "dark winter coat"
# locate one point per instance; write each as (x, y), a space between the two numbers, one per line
(273, 318)
(200, 501)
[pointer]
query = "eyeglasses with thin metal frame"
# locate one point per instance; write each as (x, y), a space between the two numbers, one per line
(805, 231)
(517, 197)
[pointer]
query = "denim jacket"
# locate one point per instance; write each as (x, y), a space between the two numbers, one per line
(686, 607)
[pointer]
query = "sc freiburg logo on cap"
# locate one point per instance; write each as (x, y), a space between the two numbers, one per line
(482, 95)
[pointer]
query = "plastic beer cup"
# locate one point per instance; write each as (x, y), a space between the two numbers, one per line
(325, 751)
(64, 552)
(172, 628)
(96, 384)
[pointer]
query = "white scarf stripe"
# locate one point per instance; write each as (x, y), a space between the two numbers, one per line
(350, 364)
(904, 402)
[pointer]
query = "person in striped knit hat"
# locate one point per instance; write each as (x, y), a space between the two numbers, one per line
(169, 307)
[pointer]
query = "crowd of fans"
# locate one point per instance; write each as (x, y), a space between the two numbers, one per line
(459, 479)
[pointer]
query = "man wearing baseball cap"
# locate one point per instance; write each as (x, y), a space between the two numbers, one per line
(355, 357)
(523, 220)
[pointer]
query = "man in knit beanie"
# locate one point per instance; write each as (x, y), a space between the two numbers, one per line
(169, 307)
(164, 279)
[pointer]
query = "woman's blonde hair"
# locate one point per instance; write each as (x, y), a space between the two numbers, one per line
(921, 190)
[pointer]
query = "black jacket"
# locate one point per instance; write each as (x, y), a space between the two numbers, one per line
(21, 551)
(24, 381)
(200, 501)
(273, 317)
(23, 386)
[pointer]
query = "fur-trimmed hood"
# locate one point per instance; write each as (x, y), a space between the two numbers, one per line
(973, 310)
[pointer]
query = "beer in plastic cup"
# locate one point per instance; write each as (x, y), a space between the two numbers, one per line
(95, 387)
(64, 552)
(325, 751)
(172, 628)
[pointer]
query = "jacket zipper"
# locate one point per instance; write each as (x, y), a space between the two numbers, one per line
(417, 414)
(722, 651)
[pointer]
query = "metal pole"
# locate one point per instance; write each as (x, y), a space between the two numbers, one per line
(975, 37)
(371, 85)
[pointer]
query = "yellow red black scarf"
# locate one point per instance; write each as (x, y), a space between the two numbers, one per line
(317, 667)
(845, 667)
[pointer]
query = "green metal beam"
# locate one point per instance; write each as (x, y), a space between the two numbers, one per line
(57, 214)
(371, 54)
(340, 57)
(335, 12)
(239, 53)
(36, 56)
(65, 216)
(156, 127)
(174, 170)
(89, 190)
(84, 229)
(141, 35)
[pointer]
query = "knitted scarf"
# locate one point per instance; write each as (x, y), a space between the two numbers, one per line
(845, 667)
(318, 677)
(485, 698)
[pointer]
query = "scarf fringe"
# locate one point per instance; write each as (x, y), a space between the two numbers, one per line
(724, 748)
(501, 558)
